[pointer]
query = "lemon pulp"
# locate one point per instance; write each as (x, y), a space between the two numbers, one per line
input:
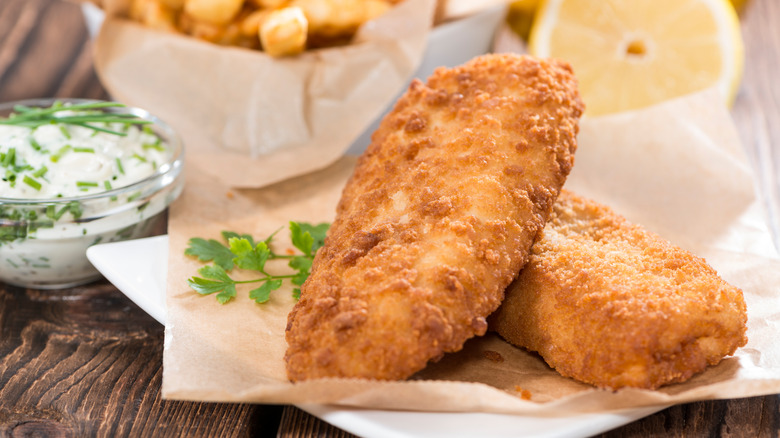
(630, 54)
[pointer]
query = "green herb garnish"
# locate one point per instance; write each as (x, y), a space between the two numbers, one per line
(242, 252)
(65, 132)
(31, 182)
(35, 145)
(88, 113)
(40, 172)
(9, 158)
(60, 152)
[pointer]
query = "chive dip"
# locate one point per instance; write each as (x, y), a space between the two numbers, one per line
(76, 174)
(60, 160)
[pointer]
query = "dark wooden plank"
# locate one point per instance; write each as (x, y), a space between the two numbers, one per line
(296, 423)
(86, 361)
(45, 51)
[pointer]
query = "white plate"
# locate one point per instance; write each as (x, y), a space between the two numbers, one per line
(138, 268)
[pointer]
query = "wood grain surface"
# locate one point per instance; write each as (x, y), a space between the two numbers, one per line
(86, 361)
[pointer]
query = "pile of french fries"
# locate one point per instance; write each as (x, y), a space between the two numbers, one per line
(278, 27)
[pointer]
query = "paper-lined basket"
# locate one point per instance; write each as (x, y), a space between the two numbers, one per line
(248, 119)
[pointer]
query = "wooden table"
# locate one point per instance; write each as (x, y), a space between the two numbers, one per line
(87, 361)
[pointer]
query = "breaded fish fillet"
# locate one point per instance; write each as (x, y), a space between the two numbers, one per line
(437, 219)
(608, 303)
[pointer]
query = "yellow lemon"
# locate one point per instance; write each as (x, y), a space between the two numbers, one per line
(628, 54)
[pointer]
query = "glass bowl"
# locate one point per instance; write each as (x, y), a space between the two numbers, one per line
(43, 242)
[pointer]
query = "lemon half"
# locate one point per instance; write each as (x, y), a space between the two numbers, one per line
(628, 54)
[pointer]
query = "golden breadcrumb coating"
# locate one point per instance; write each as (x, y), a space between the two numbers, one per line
(608, 303)
(437, 219)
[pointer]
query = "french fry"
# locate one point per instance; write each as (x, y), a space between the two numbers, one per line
(250, 25)
(174, 5)
(270, 25)
(216, 12)
(268, 4)
(153, 14)
(284, 32)
(338, 19)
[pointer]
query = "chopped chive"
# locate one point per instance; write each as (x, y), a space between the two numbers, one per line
(119, 166)
(62, 151)
(40, 172)
(65, 132)
(32, 117)
(31, 182)
(156, 146)
(133, 197)
(9, 158)
(35, 145)
(52, 213)
(140, 158)
(10, 176)
(86, 150)
(82, 184)
(75, 209)
(107, 185)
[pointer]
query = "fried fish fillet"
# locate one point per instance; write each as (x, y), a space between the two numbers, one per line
(608, 303)
(437, 219)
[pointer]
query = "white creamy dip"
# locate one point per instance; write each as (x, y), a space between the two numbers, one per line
(54, 205)
(58, 160)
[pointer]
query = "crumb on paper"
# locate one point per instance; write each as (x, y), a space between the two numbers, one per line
(493, 356)
(230, 195)
(524, 393)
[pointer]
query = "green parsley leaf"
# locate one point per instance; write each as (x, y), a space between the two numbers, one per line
(317, 233)
(210, 250)
(300, 263)
(301, 239)
(263, 293)
(248, 257)
(215, 280)
(242, 252)
(299, 278)
(227, 235)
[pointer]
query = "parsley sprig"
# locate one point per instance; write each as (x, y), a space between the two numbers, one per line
(242, 252)
(87, 114)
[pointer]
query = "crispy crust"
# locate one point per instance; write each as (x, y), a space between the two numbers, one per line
(437, 219)
(610, 304)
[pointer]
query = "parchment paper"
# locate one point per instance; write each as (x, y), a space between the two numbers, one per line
(248, 119)
(676, 168)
